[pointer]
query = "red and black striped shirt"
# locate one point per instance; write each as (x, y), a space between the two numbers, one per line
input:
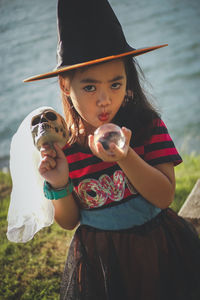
(99, 184)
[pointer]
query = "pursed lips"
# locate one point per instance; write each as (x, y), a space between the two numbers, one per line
(104, 116)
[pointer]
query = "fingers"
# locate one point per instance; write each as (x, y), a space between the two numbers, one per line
(47, 164)
(54, 152)
(97, 148)
(49, 155)
(127, 133)
(59, 151)
(47, 150)
(114, 153)
(91, 143)
(53, 165)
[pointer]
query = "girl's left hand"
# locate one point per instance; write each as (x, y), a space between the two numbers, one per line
(117, 153)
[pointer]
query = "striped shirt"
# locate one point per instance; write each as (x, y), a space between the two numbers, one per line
(100, 184)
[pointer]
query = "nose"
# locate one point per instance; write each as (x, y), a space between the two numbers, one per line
(43, 119)
(103, 98)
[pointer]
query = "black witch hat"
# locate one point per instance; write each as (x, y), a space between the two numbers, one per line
(88, 33)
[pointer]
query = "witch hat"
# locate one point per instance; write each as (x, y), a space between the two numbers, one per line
(88, 33)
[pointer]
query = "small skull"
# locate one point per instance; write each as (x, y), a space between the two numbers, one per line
(49, 127)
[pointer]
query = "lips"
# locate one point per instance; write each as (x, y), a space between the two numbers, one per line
(104, 117)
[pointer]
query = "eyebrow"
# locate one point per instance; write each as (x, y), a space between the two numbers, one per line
(91, 80)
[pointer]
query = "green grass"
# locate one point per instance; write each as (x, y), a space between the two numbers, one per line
(33, 271)
(187, 174)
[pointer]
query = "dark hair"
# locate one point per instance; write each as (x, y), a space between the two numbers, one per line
(136, 112)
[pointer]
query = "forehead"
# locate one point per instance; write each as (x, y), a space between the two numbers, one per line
(106, 70)
(43, 110)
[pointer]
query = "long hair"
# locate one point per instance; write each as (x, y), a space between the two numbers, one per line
(72, 118)
(136, 112)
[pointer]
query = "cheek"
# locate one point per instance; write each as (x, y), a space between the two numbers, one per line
(77, 107)
(81, 106)
(118, 100)
(74, 98)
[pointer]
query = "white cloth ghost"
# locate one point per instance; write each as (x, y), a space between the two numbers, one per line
(29, 210)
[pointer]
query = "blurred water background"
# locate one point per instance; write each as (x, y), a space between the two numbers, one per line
(28, 37)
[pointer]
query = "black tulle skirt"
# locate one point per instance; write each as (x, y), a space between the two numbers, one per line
(159, 260)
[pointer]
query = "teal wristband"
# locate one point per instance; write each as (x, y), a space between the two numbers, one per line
(55, 194)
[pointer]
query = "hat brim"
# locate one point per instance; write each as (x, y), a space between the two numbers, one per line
(63, 69)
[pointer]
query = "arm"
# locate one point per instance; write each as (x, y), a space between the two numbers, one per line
(54, 168)
(156, 184)
(66, 212)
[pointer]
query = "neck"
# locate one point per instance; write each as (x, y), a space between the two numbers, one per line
(85, 129)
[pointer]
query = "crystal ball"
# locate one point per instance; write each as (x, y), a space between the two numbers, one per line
(107, 134)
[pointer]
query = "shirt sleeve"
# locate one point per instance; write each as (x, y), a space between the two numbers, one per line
(160, 147)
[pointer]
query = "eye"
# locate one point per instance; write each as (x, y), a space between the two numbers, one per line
(116, 85)
(90, 88)
(35, 121)
(51, 116)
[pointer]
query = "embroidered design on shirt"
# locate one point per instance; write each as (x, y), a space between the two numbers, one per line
(95, 193)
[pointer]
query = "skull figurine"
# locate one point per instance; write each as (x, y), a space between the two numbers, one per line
(48, 127)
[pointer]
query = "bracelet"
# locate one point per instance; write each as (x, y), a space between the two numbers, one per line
(55, 194)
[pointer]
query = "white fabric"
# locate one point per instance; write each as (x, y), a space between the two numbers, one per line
(29, 210)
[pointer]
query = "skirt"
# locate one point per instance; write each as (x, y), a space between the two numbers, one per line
(159, 260)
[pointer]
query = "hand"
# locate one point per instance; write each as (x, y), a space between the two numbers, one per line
(117, 153)
(53, 166)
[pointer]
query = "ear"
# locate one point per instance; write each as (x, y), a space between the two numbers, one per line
(128, 96)
(64, 85)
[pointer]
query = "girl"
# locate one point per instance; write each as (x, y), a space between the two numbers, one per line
(129, 244)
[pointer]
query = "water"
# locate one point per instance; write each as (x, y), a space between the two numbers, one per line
(28, 47)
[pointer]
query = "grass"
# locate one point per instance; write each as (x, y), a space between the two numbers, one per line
(187, 174)
(33, 271)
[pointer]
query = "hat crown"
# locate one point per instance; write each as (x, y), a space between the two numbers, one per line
(88, 30)
(88, 33)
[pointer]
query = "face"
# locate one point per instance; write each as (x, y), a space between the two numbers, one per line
(97, 92)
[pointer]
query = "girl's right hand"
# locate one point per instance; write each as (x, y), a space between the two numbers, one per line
(54, 166)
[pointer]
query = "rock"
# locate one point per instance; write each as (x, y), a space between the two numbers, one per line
(191, 208)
